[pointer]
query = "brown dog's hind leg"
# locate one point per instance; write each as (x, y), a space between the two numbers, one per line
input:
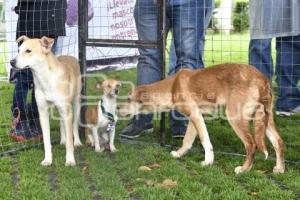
(188, 141)
(241, 128)
(260, 126)
(278, 145)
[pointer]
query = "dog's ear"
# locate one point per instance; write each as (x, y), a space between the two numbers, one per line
(22, 38)
(119, 84)
(47, 44)
(140, 96)
(98, 86)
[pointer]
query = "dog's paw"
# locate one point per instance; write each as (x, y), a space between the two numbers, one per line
(206, 163)
(278, 170)
(46, 162)
(113, 149)
(239, 169)
(77, 143)
(70, 163)
(175, 154)
(62, 142)
(99, 150)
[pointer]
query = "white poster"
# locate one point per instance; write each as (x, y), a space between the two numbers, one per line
(112, 19)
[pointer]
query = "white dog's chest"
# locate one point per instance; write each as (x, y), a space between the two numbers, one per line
(48, 90)
(103, 119)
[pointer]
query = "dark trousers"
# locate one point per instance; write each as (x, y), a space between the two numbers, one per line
(23, 83)
(287, 67)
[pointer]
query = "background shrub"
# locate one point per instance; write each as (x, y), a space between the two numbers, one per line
(240, 16)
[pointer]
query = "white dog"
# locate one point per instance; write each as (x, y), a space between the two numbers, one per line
(57, 82)
(101, 119)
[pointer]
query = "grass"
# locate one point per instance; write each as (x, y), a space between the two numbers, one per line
(116, 176)
(2, 59)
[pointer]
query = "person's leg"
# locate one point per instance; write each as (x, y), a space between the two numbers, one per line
(209, 6)
(188, 25)
(186, 49)
(208, 13)
(288, 73)
(260, 56)
(149, 64)
(20, 129)
(177, 120)
(172, 59)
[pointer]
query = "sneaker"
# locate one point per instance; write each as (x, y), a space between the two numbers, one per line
(288, 113)
(19, 130)
(37, 138)
(133, 131)
(178, 131)
(178, 135)
(284, 113)
(17, 138)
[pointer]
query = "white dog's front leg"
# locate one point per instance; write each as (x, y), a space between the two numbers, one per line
(67, 117)
(44, 121)
(111, 141)
(76, 107)
(96, 140)
(62, 133)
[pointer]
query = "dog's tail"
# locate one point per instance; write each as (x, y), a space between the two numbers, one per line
(263, 115)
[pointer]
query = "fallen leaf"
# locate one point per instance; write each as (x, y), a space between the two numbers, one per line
(129, 186)
(84, 169)
(253, 193)
(157, 155)
(262, 171)
(167, 183)
(155, 165)
(145, 181)
(144, 169)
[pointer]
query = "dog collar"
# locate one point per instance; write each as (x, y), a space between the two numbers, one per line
(108, 115)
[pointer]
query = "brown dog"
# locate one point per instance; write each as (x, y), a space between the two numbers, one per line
(242, 89)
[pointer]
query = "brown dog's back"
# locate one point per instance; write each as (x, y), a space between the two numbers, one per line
(230, 85)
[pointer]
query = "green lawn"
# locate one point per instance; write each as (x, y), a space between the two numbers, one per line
(2, 58)
(116, 176)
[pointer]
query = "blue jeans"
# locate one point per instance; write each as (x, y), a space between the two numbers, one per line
(260, 56)
(288, 72)
(185, 18)
(208, 13)
(23, 83)
(177, 120)
(287, 67)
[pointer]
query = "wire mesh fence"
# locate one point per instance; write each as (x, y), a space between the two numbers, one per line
(111, 33)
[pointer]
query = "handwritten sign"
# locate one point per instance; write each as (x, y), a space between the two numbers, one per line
(113, 19)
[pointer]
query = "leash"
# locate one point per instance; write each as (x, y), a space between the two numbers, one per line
(112, 123)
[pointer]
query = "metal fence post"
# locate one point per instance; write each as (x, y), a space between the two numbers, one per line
(82, 37)
(84, 41)
(162, 36)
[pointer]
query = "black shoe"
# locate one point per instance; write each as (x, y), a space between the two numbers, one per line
(20, 130)
(133, 131)
(178, 135)
(178, 131)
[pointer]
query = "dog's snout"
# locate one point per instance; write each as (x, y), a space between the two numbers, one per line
(13, 62)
